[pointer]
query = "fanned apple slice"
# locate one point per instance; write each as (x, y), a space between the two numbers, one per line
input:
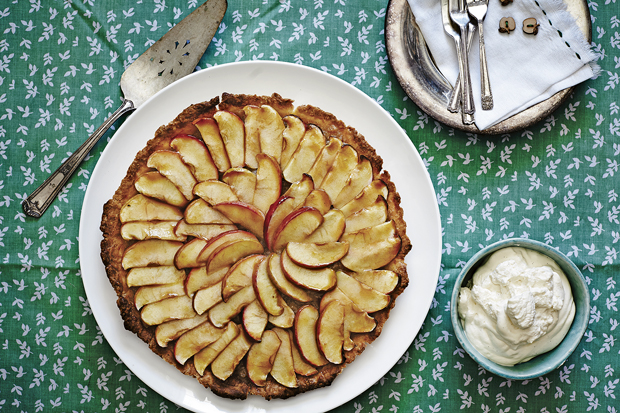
(207, 297)
(152, 293)
(170, 164)
(171, 330)
(141, 230)
(324, 161)
(228, 254)
(174, 308)
(200, 212)
(300, 189)
(155, 185)
(305, 155)
(268, 182)
(283, 284)
(223, 312)
(339, 173)
(320, 200)
(316, 255)
(225, 363)
(367, 197)
(297, 226)
(240, 275)
(305, 335)
(143, 208)
(299, 363)
(199, 279)
(232, 132)
(384, 281)
(365, 298)
(261, 358)
(206, 356)
(294, 130)
(283, 369)
(161, 274)
(276, 214)
(265, 290)
(372, 248)
(255, 320)
(195, 340)
(330, 230)
(372, 215)
(222, 239)
(188, 255)
(204, 231)
(195, 154)
(150, 252)
(265, 125)
(211, 136)
(245, 215)
(360, 178)
(330, 332)
(242, 182)
(215, 192)
(322, 279)
(286, 319)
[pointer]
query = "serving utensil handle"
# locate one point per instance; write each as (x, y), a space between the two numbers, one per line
(485, 82)
(38, 202)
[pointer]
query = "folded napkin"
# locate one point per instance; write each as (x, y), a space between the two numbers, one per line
(524, 69)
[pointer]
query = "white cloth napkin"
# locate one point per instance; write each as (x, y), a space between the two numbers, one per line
(524, 69)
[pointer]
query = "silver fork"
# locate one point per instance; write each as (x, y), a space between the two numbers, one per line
(478, 10)
(458, 14)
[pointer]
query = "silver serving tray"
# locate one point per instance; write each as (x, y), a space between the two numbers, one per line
(416, 72)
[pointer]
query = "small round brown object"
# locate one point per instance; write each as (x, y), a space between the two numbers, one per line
(530, 26)
(506, 25)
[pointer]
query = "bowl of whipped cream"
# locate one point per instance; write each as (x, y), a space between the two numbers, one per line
(520, 308)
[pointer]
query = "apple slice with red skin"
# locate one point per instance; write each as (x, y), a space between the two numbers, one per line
(318, 199)
(222, 239)
(161, 274)
(195, 154)
(245, 215)
(299, 363)
(150, 252)
(171, 165)
(204, 231)
(372, 248)
(141, 230)
(232, 132)
(199, 279)
(324, 161)
(152, 293)
(283, 369)
(268, 182)
(265, 290)
(281, 282)
(171, 330)
(296, 227)
(188, 255)
(225, 363)
(372, 215)
(223, 312)
(215, 192)
(242, 182)
(276, 214)
(316, 255)
(207, 297)
(155, 185)
(384, 281)
(305, 336)
(322, 279)
(305, 155)
(330, 230)
(206, 356)
(365, 298)
(367, 197)
(261, 358)
(229, 253)
(255, 320)
(240, 275)
(339, 173)
(286, 319)
(265, 126)
(174, 308)
(200, 212)
(194, 340)
(360, 178)
(294, 129)
(143, 208)
(210, 133)
(330, 332)
(300, 189)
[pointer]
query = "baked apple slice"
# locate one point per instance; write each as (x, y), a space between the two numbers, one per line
(339, 173)
(268, 182)
(286, 319)
(265, 290)
(280, 280)
(297, 226)
(200, 212)
(360, 178)
(324, 161)
(365, 298)
(204, 231)
(305, 335)
(232, 132)
(141, 230)
(330, 332)
(222, 313)
(300, 365)
(245, 215)
(293, 132)
(255, 320)
(171, 165)
(275, 215)
(318, 199)
(305, 155)
(171, 330)
(372, 215)
(316, 255)
(372, 248)
(195, 340)
(384, 281)
(215, 192)
(240, 275)
(150, 252)
(143, 208)
(210, 133)
(228, 254)
(242, 182)
(188, 255)
(223, 239)
(162, 274)
(196, 155)
(283, 369)
(321, 279)
(225, 363)
(207, 297)
(330, 230)
(367, 197)
(199, 279)
(152, 293)
(206, 356)
(261, 358)
(155, 185)
(265, 126)
(174, 308)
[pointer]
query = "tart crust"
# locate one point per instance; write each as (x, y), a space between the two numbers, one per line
(238, 385)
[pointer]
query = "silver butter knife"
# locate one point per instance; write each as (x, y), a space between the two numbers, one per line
(170, 58)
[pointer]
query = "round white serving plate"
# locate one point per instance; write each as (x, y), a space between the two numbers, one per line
(306, 86)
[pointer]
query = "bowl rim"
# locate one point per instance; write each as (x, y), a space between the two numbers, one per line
(557, 356)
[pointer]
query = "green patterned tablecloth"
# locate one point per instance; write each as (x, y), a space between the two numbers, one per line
(557, 182)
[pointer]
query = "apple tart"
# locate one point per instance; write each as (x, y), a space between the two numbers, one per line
(256, 245)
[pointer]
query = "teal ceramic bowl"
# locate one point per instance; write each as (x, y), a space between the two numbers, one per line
(543, 363)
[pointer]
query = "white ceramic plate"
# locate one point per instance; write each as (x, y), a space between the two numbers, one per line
(305, 86)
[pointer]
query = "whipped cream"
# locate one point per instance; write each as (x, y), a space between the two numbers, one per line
(518, 305)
